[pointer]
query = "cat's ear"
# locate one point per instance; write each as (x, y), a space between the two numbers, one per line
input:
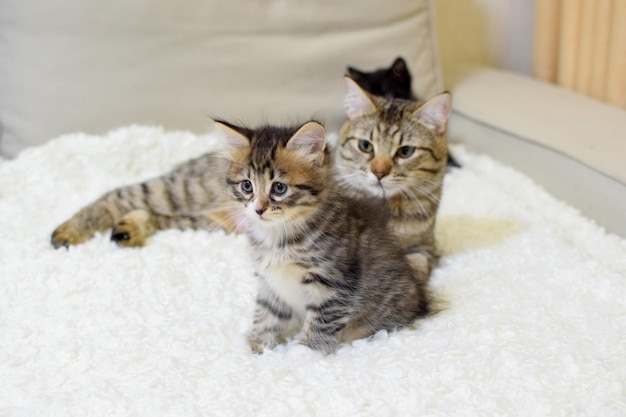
(435, 112)
(400, 69)
(354, 73)
(234, 139)
(309, 142)
(356, 101)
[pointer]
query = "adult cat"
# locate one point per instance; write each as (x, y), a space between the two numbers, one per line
(396, 150)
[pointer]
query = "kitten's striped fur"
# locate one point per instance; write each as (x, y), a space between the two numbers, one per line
(322, 258)
(396, 150)
(190, 196)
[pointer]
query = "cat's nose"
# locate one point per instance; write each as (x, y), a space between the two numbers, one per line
(259, 211)
(380, 173)
(380, 167)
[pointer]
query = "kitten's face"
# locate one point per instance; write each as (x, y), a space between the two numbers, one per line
(392, 147)
(392, 82)
(277, 175)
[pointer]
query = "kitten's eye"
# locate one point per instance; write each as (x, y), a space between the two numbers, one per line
(246, 187)
(366, 146)
(405, 151)
(279, 188)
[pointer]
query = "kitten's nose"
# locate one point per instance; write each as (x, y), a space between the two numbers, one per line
(380, 167)
(260, 206)
(381, 173)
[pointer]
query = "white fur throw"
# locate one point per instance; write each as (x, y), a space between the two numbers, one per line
(535, 323)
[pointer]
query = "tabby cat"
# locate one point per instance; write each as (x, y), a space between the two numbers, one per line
(190, 196)
(396, 150)
(390, 83)
(324, 259)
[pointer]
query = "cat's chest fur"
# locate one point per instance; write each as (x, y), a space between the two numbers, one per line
(280, 270)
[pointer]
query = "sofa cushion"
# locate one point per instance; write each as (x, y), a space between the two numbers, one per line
(84, 65)
(582, 128)
(573, 145)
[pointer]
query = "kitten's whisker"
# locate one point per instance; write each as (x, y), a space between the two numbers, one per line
(425, 192)
(412, 196)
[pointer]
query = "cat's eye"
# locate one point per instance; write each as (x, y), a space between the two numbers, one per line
(366, 146)
(405, 151)
(246, 187)
(279, 188)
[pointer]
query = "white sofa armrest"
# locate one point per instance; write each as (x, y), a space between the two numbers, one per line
(574, 146)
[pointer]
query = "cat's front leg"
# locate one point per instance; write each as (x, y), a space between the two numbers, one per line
(324, 322)
(317, 339)
(96, 217)
(271, 320)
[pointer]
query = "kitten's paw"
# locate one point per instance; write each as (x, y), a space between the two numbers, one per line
(325, 345)
(256, 346)
(65, 235)
(421, 263)
(128, 233)
(134, 229)
(259, 344)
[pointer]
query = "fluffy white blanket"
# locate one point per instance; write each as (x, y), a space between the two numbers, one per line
(535, 323)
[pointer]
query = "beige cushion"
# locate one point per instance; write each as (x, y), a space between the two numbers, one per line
(87, 65)
(572, 145)
(577, 126)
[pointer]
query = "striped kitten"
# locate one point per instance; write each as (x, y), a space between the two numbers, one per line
(322, 258)
(396, 150)
(190, 196)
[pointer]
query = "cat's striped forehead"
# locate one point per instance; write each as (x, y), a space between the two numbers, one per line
(395, 112)
(267, 158)
(393, 123)
(264, 143)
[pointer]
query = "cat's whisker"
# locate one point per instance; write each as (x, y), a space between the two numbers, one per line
(425, 192)
(413, 197)
(422, 188)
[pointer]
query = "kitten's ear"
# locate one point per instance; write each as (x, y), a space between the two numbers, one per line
(354, 73)
(356, 101)
(435, 112)
(235, 140)
(309, 142)
(399, 68)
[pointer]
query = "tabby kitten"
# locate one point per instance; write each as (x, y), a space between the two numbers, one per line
(396, 150)
(190, 196)
(322, 258)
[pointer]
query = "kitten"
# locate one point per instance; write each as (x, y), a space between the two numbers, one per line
(190, 196)
(390, 83)
(396, 150)
(321, 257)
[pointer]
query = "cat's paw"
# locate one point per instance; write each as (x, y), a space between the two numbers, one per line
(324, 344)
(134, 229)
(256, 346)
(67, 234)
(128, 233)
(259, 344)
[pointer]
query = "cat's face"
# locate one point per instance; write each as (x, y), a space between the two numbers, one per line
(392, 82)
(392, 147)
(277, 176)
